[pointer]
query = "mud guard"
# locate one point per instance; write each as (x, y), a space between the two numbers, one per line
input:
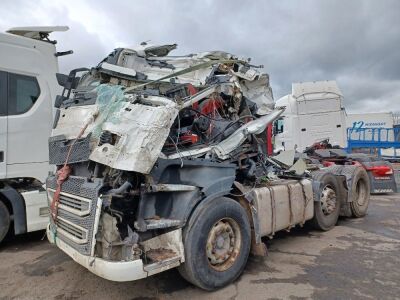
(345, 181)
(254, 216)
(18, 207)
(206, 180)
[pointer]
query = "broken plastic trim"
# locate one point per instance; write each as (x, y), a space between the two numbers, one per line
(185, 71)
(239, 136)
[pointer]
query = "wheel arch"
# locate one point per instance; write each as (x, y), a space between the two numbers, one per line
(16, 205)
(208, 179)
(344, 182)
(239, 196)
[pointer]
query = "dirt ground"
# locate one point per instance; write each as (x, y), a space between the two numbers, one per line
(358, 259)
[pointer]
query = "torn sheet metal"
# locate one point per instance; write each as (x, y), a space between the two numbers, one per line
(141, 132)
(118, 69)
(142, 68)
(239, 136)
(285, 157)
(260, 92)
(71, 121)
(136, 119)
(149, 61)
(189, 153)
(299, 167)
(110, 99)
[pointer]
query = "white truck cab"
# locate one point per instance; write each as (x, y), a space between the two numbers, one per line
(314, 111)
(28, 87)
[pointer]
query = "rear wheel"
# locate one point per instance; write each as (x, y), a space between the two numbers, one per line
(217, 244)
(326, 210)
(359, 191)
(4, 220)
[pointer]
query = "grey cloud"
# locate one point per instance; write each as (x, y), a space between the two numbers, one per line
(354, 41)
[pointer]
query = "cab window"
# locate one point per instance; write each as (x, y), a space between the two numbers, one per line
(3, 93)
(279, 126)
(23, 92)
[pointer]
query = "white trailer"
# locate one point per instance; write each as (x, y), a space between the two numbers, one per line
(28, 87)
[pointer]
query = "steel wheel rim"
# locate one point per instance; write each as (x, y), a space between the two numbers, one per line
(328, 200)
(223, 244)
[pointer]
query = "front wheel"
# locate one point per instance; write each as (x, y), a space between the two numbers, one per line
(4, 220)
(217, 244)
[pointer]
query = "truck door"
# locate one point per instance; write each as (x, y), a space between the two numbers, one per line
(29, 121)
(3, 124)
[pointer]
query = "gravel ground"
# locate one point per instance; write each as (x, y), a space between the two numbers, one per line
(358, 259)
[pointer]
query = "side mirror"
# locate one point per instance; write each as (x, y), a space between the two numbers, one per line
(75, 82)
(59, 100)
(62, 79)
(67, 81)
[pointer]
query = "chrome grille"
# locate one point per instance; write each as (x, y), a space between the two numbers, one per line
(77, 211)
(75, 233)
(74, 204)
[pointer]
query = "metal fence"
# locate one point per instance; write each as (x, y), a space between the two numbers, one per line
(375, 139)
(396, 119)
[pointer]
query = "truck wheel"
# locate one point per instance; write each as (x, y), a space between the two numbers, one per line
(326, 210)
(4, 220)
(217, 244)
(359, 191)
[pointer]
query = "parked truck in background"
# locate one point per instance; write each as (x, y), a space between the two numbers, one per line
(314, 111)
(28, 87)
(315, 117)
(161, 163)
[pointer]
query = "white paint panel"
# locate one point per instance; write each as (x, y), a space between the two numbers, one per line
(34, 201)
(3, 146)
(321, 126)
(142, 132)
(28, 133)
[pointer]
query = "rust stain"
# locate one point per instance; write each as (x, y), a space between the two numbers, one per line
(160, 254)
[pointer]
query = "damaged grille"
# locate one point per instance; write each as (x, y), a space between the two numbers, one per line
(59, 146)
(76, 212)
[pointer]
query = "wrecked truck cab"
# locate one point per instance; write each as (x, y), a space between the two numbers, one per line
(161, 162)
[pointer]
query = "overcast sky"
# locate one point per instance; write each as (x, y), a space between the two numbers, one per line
(356, 43)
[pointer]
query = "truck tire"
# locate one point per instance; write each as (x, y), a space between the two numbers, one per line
(217, 243)
(326, 210)
(359, 190)
(4, 221)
